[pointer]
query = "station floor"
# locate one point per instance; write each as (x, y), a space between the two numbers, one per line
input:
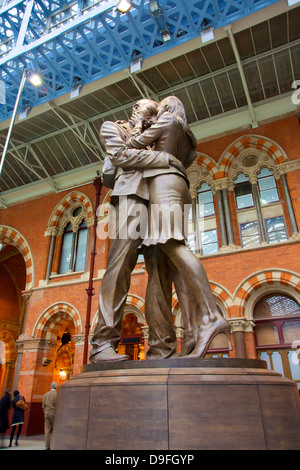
(25, 443)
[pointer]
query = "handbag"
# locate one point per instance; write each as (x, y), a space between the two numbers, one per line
(22, 405)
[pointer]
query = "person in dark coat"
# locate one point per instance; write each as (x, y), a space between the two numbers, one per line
(17, 419)
(5, 404)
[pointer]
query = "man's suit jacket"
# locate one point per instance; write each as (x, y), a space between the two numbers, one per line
(130, 163)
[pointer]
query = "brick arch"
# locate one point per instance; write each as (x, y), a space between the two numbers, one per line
(247, 142)
(136, 301)
(283, 279)
(132, 301)
(224, 297)
(10, 346)
(68, 201)
(207, 163)
(12, 236)
(218, 291)
(53, 319)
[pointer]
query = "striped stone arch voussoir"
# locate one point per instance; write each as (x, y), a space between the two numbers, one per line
(11, 236)
(260, 280)
(136, 303)
(247, 142)
(207, 163)
(223, 296)
(10, 346)
(219, 293)
(53, 319)
(67, 202)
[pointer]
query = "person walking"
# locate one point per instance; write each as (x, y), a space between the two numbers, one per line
(5, 404)
(49, 405)
(18, 417)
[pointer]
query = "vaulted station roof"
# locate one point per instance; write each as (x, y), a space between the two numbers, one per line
(242, 77)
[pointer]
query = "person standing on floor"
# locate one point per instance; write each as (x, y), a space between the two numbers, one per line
(5, 404)
(49, 405)
(18, 417)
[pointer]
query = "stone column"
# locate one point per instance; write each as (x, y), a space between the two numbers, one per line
(255, 192)
(288, 202)
(179, 330)
(53, 233)
(78, 355)
(193, 193)
(221, 188)
(145, 330)
(240, 326)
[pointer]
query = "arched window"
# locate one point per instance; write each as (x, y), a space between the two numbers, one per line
(259, 209)
(73, 251)
(69, 228)
(277, 331)
(203, 236)
(243, 192)
(267, 187)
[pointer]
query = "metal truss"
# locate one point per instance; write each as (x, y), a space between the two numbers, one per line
(79, 41)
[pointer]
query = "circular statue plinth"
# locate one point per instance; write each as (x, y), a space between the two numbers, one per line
(178, 404)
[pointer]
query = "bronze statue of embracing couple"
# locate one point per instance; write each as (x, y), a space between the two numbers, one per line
(145, 165)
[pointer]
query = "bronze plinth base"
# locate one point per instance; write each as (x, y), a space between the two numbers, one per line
(184, 404)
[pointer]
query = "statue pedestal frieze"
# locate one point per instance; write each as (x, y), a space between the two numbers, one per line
(178, 404)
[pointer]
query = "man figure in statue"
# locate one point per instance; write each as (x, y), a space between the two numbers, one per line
(130, 189)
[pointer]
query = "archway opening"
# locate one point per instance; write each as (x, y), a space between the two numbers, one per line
(132, 342)
(12, 305)
(277, 334)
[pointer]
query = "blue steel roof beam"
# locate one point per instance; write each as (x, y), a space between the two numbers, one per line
(133, 24)
(63, 29)
(48, 64)
(73, 60)
(92, 50)
(189, 18)
(113, 37)
(13, 22)
(24, 24)
(10, 6)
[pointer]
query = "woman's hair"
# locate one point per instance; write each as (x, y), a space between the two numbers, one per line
(173, 105)
(16, 392)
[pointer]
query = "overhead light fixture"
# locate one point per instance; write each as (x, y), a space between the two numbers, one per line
(136, 64)
(24, 113)
(124, 5)
(207, 31)
(165, 34)
(292, 2)
(35, 78)
(154, 7)
(76, 89)
(160, 19)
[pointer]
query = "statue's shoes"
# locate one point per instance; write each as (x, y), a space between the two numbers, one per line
(207, 334)
(108, 354)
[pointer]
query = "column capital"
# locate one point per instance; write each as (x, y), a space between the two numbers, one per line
(241, 324)
(145, 330)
